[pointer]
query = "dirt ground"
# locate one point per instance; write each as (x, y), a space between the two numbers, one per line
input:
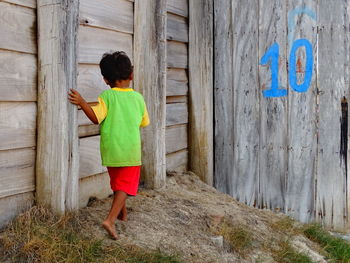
(182, 217)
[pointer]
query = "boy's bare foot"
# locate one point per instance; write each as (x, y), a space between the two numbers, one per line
(110, 229)
(123, 216)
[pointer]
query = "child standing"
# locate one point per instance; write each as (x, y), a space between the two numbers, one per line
(121, 112)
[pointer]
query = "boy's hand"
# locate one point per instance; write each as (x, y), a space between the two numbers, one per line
(75, 97)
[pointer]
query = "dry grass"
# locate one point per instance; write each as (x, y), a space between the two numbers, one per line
(287, 254)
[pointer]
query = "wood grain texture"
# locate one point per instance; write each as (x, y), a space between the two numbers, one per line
(176, 138)
(177, 99)
(26, 3)
(13, 205)
(17, 28)
(18, 76)
(332, 84)
(57, 163)
(88, 130)
(177, 161)
(273, 111)
(179, 7)
(109, 14)
(302, 117)
(177, 54)
(94, 42)
(201, 89)
(17, 171)
(150, 80)
(177, 28)
(177, 82)
(176, 113)
(17, 125)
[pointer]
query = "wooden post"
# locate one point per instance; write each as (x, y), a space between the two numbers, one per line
(150, 80)
(57, 171)
(201, 89)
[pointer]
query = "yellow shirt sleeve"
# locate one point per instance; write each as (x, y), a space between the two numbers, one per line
(100, 110)
(145, 118)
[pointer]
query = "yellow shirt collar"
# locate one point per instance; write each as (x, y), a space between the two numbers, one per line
(122, 89)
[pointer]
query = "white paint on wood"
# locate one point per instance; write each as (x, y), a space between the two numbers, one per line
(179, 7)
(176, 138)
(177, 54)
(177, 28)
(176, 113)
(177, 82)
(177, 161)
(26, 3)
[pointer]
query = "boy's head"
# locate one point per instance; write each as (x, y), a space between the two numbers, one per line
(116, 67)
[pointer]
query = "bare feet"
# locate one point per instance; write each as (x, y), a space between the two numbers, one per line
(110, 229)
(123, 215)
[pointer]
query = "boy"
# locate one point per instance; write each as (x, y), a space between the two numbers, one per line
(121, 112)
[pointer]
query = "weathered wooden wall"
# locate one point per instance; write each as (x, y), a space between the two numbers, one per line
(18, 108)
(286, 153)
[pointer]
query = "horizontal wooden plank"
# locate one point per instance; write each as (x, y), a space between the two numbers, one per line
(110, 14)
(18, 76)
(176, 138)
(177, 53)
(82, 119)
(90, 158)
(94, 42)
(17, 125)
(177, 28)
(176, 113)
(179, 7)
(17, 171)
(13, 205)
(89, 130)
(177, 161)
(177, 82)
(27, 3)
(96, 186)
(17, 28)
(177, 99)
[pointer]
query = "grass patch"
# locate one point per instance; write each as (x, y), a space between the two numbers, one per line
(337, 248)
(286, 225)
(40, 236)
(287, 254)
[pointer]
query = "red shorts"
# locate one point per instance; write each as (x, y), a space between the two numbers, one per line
(125, 179)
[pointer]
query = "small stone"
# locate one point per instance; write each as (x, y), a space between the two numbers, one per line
(218, 241)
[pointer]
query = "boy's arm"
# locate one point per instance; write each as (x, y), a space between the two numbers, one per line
(77, 99)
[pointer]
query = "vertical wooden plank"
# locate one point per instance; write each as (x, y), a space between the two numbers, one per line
(150, 80)
(273, 127)
(333, 86)
(201, 88)
(302, 140)
(57, 165)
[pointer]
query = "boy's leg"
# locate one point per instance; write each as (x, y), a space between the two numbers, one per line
(117, 206)
(123, 213)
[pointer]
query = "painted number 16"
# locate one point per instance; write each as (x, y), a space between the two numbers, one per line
(273, 55)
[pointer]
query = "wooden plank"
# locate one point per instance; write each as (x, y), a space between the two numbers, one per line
(176, 113)
(90, 158)
(201, 89)
(273, 111)
(26, 3)
(176, 138)
(177, 161)
(177, 54)
(17, 28)
(96, 186)
(177, 28)
(88, 130)
(177, 82)
(18, 76)
(94, 42)
(110, 14)
(13, 205)
(57, 163)
(150, 80)
(17, 125)
(302, 117)
(179, 7)
(333, 86)
(176, 99)
(17, 171)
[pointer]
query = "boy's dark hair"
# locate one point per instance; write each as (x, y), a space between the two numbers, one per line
(115, 66)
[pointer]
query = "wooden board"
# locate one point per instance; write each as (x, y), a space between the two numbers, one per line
(332, 84)
(88, 130)
(17, 171)
(177, 28)
(90, 158)
(96, 186)
(17, 28)
(18, 76)
(177, 99)
(177, 54)
(17, 125)
(27, 3)
(177, 82)
(177, 161)
(13, 205)
(110, 14)
(176, 138)
(179, 7)
(176, 113)
(302, 117)
(273, 129)
(94, 42)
